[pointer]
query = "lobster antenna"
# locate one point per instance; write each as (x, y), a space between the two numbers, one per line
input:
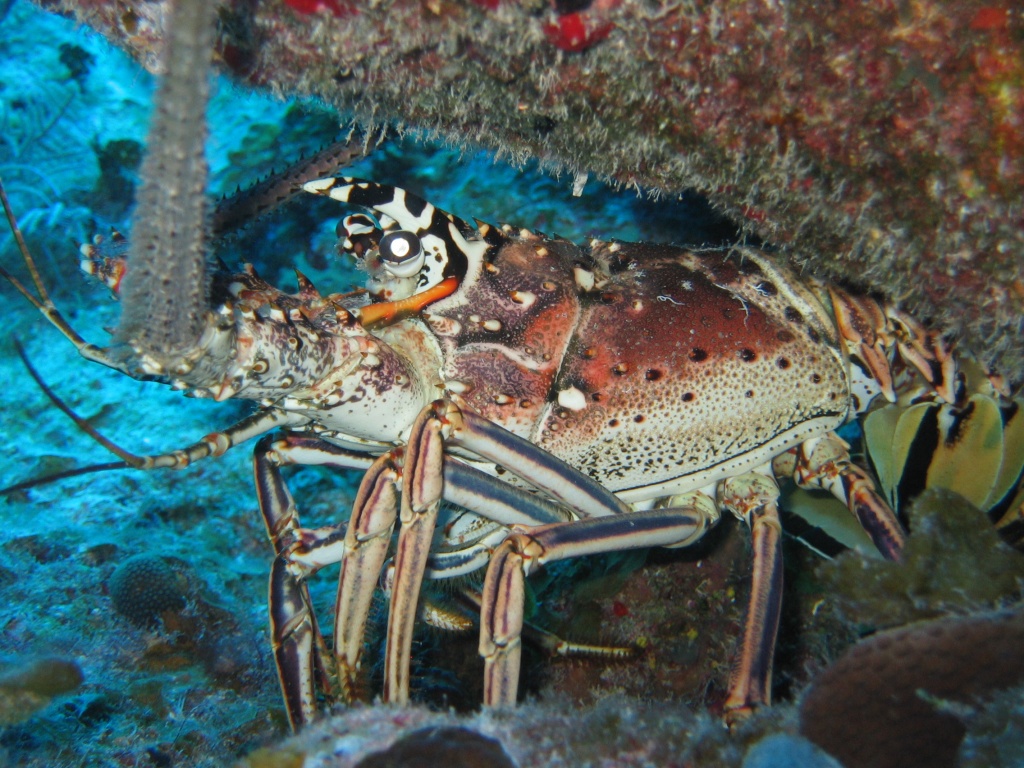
(128, 459)
(249, 204)
(35, 482)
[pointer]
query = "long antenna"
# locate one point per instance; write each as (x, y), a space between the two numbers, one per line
(130, 459)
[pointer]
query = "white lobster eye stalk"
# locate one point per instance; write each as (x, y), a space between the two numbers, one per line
(402, 254)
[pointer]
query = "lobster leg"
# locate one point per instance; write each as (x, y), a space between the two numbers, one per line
(369, 534)
(824, 462)
(501, 618)
(546, 472)
(753, 498)
(299, 651)
(422, 488)
(366, 548)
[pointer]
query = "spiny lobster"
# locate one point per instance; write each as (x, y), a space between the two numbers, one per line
(566, 399)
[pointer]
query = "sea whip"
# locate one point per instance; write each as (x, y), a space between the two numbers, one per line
(165, 291)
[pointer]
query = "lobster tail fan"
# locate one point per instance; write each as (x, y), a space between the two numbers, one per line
(165, 292)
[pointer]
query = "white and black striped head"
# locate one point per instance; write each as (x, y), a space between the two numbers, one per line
(406, 244)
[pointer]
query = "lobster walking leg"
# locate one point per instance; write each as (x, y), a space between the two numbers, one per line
(422, 488)
(366, 548)
(543, 470)
(824, 462)
(753, 498)
(299, 650)
(501, 618)
(426, 478)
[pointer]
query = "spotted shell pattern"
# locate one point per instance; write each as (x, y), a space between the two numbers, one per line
(641, 364)
(653, 368)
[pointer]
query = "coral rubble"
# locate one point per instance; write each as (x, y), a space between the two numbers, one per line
(616, 731)
(28, 686)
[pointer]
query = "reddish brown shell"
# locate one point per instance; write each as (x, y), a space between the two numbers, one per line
(641, 364)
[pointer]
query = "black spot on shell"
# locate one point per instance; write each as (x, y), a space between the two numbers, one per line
(815, 378)
(698, 355)
(813, 336)
(783, 363)
(613, 422)
(748, 355)
(652, 374)
(688, 397)
(767, 288)
(785, 336)
(639, 419)
(793, 315)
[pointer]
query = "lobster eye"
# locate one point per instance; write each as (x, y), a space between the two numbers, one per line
(401, 253)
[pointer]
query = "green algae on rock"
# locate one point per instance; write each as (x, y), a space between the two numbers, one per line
(954, 562)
